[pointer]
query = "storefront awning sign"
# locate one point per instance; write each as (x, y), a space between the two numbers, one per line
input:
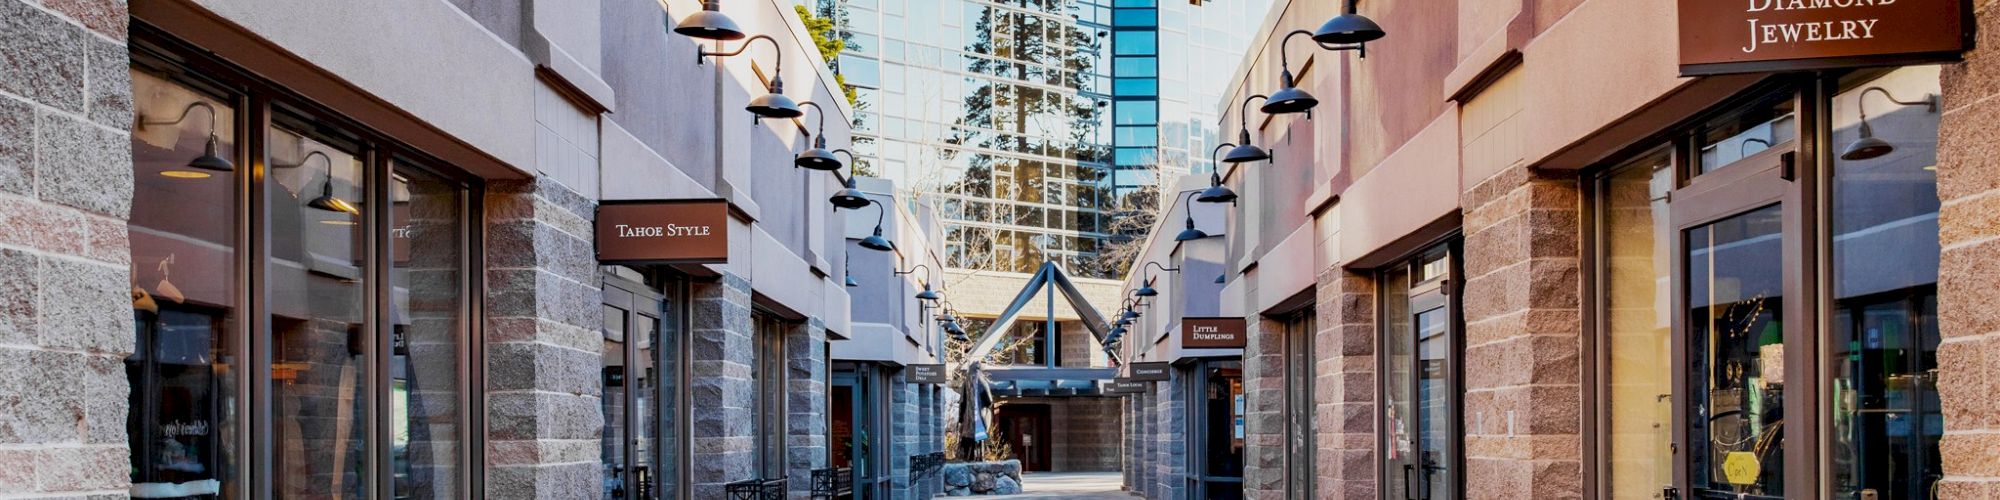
(1754, 36)
(1123, 385)
(663, 232)
(927, 374)
(1213, 333)
(1156, 371)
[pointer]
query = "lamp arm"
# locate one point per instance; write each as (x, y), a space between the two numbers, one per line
(703, 54)
(821, 131)
(881, 211)
(1284, 56)
(189, 110)
(1243, 110)
(1162, 267)
(1218, 150)
(1861, 102)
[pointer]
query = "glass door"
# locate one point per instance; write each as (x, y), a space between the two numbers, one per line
(1217, 425)
(1738, 305)
(1299, 361)
(1421, 390)
(630, 444)
(858, 425)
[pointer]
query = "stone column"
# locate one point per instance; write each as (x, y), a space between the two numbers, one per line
(1264, 412)
(1148, 444)
(1344, 399)
(65, 195)
(1968, 173)
(805, 404)
(543, 318)
(1169, 463)
(724, 397)
(1522, 308)
(903, 432)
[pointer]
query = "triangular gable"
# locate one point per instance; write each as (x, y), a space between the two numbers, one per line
(1048, 275)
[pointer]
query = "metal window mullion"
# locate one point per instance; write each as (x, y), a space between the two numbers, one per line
(375, 226)
(254, 327)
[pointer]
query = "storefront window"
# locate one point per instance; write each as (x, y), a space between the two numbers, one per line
(1219, 429)
(1421, 392)
(1884, 246)
(769, 379)
(427, 240)
(1735, 304)
(1635, 239)
(640, 402)
(1767, 124)
(185, 365)
(1299, 361)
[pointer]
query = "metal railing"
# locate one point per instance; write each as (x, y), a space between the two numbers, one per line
(756, 489)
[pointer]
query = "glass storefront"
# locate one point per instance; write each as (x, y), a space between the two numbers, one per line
(642, 405)
(1420, 385)
(1216, 461)
(1785, 255)
(292, 340)
(1300, 360)
(859, 426)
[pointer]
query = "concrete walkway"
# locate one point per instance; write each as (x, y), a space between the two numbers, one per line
(1071, 485)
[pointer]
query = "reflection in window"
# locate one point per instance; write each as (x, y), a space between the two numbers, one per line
(1636, 236)
(318, 295)
(427, 332)
(183, 368)
(1735, 300)
(1745, 133)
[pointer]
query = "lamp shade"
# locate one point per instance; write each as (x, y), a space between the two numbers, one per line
(1129, 315)
(1190, 234)
(209, 160)
(877, 242)
(928, 293)
(1246, 153)
(849, 197)
(775, 105)
(851, 283)
(1216, 194)
(709, 24)
(1289, 98)
(1866, 148)
(1147, 291)
(817, 158)
(1347, 29)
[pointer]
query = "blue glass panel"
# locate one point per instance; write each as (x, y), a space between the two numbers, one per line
(1135, 43)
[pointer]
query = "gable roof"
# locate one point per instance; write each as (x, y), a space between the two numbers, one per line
(1048, 275)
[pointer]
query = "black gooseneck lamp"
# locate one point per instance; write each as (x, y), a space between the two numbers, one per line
(1348, 31)
(1146, 285)
(1246, 150)
(849, 196)
(928, 295)
(1290, 98)
(1191, 233)
(876, 242)
(1868, 146)
(817, 157)
(209, 161)
(326, 200)
(773, 104)
(1216, 192)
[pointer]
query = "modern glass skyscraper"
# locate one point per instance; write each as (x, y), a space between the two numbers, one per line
(1026, 119)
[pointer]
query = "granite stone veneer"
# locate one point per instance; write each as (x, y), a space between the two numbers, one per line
(806, 432)
(543, 387)
(723, 430)
(1523, 330)
(1264, 412)
(65, 196)
(1169, 459)
(1344, 386)
(1968, 301)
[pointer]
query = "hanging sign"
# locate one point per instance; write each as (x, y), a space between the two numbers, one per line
(927, 374)
(1123, 385)
(1213, 333)
(663, 232)
(1151, 372)
(1751, 36)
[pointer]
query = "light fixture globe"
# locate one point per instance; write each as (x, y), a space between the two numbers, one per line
(709, 24)
(876, 242)
(817, 158)
(1348, 29)
(209, 160)
(1289, 98)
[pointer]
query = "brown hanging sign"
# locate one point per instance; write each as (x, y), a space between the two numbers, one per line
(1751, 36)
(663, 232)
(1213, 333)
(1151, 371)
(927, 374)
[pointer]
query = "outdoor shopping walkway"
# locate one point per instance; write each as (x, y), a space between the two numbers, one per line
(1073, 485)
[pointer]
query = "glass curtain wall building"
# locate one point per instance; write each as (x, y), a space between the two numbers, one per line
(1025, 119)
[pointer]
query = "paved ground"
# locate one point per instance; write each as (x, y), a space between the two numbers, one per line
(1071, 485)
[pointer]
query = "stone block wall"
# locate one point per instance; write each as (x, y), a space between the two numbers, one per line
(806, 432)
(543, 320)
(1085, 437)
(904, 438)
(1264, 409)
(1169, 459)
(65, 196)
(723, 354)
(1523, 328)
(1968, 173)
(1344, 386)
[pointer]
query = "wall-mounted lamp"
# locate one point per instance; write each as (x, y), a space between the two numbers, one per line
(849, 196)
(1868, 146)
(877, 242)
(927, 295)
(1348, 31)
(1216, 192)
(1246, 150)
(773, 104)
(1146, 285)
(1289, 98)
(847, 270)
(326, 200)
(709, 24)
(817, 157)
(1190, 233)
(209, 161)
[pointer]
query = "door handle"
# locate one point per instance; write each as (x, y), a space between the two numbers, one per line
(1407, 491)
